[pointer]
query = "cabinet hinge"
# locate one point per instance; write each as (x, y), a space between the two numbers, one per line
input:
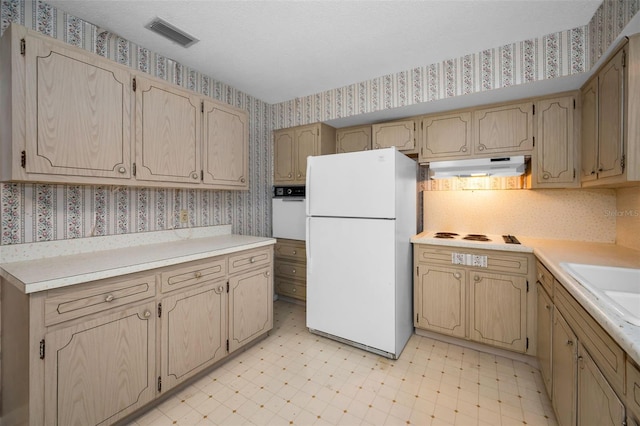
(622, 162)
(624, 58)
(417, 271)
(160, 310)
(574, 104)
(417, 318)
(23, 159)
(527, 286)
(414, 126)
(202, 106)
(227, 286)
(42, 347)
(534, 109)
(227, 345)
(23, 47)
(202, 175)
(527, 343)
(574, 173)
(134, 169)
(134, 84)
(159, 384)
(534, 141)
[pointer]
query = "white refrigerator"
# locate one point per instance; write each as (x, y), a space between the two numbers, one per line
(361, 214)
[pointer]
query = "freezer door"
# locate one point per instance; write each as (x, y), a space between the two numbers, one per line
(354, 184)
(351, 280)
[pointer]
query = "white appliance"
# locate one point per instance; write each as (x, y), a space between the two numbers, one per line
(361, 215)
(288, 212)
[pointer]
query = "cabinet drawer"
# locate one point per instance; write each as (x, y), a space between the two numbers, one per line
(193, 273)
(291, 288)
(250, 259)
(496, 261)
(291, 270)
(291, 249)
(603, 349)
(633, 388)
(545, 278)
(75, 302)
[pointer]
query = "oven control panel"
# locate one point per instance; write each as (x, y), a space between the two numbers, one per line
(289, 191)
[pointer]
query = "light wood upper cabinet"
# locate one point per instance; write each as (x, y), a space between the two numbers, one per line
(447, 135)
(440, 295)
(352, 139)
(503, 129)
(400, 134)
(292, 146)
(556, 154)
(101, 370)
(73, 119)
(194, 332)
(168, 133)
(589, 131)
(610, 117)
(225, 142)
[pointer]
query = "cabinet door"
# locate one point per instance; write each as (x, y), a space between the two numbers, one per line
(353, 139)
(439, 299)
(545, 322)
(306, 144)
(498, 310)
(598, 405)
(504, 129)
(79, 109)
(400, 134)
(563, 348)
(283, 143)
(193, 332)
(555, 149)
(610, 117)
(99, 371)
(589, 131)
(446, 136)
(250, 306)
(225, 146)
(168, 133)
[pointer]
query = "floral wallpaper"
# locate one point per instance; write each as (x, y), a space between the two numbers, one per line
(32, 212)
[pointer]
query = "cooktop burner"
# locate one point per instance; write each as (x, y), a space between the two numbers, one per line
(476, 237)
(449, 235)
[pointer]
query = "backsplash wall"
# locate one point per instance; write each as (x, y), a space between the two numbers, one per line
(33, 212)
(573, 214)
(627, 215)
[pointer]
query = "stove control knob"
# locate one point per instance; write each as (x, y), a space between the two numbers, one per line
(289, 191)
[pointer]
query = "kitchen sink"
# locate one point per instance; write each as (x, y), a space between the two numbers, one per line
(617, 287)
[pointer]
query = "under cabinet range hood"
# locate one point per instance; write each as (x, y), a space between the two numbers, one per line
(496, 167)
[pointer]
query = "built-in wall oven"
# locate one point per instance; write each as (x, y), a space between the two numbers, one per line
(288, 212)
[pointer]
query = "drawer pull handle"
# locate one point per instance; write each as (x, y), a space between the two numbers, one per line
(252, 260)
(147, 314)
(198, 274)
(457, 275)
(293, 290)
(294, 252)
(293, 271)
(109, 298)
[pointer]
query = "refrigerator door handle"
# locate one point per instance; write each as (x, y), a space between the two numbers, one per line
(308, 188)
(308, 246)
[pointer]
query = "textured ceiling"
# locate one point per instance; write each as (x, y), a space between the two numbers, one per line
(280, 50)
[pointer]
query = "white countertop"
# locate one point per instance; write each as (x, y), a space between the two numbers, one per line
(107, 259)
(552, 253)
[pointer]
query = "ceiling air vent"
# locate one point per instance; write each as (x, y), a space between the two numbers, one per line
(173, 33)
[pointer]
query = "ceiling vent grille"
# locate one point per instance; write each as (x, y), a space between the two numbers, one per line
(171, 32)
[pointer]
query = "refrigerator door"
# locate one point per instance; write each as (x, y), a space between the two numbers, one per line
(351, 281)
(355, 184)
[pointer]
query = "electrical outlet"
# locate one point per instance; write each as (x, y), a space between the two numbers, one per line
(184, 216)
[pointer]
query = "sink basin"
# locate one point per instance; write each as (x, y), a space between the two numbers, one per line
(618, 287)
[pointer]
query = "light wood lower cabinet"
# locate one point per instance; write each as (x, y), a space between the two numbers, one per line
(291, 269)
(490, 305)
(94, 353)
(588, 373)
